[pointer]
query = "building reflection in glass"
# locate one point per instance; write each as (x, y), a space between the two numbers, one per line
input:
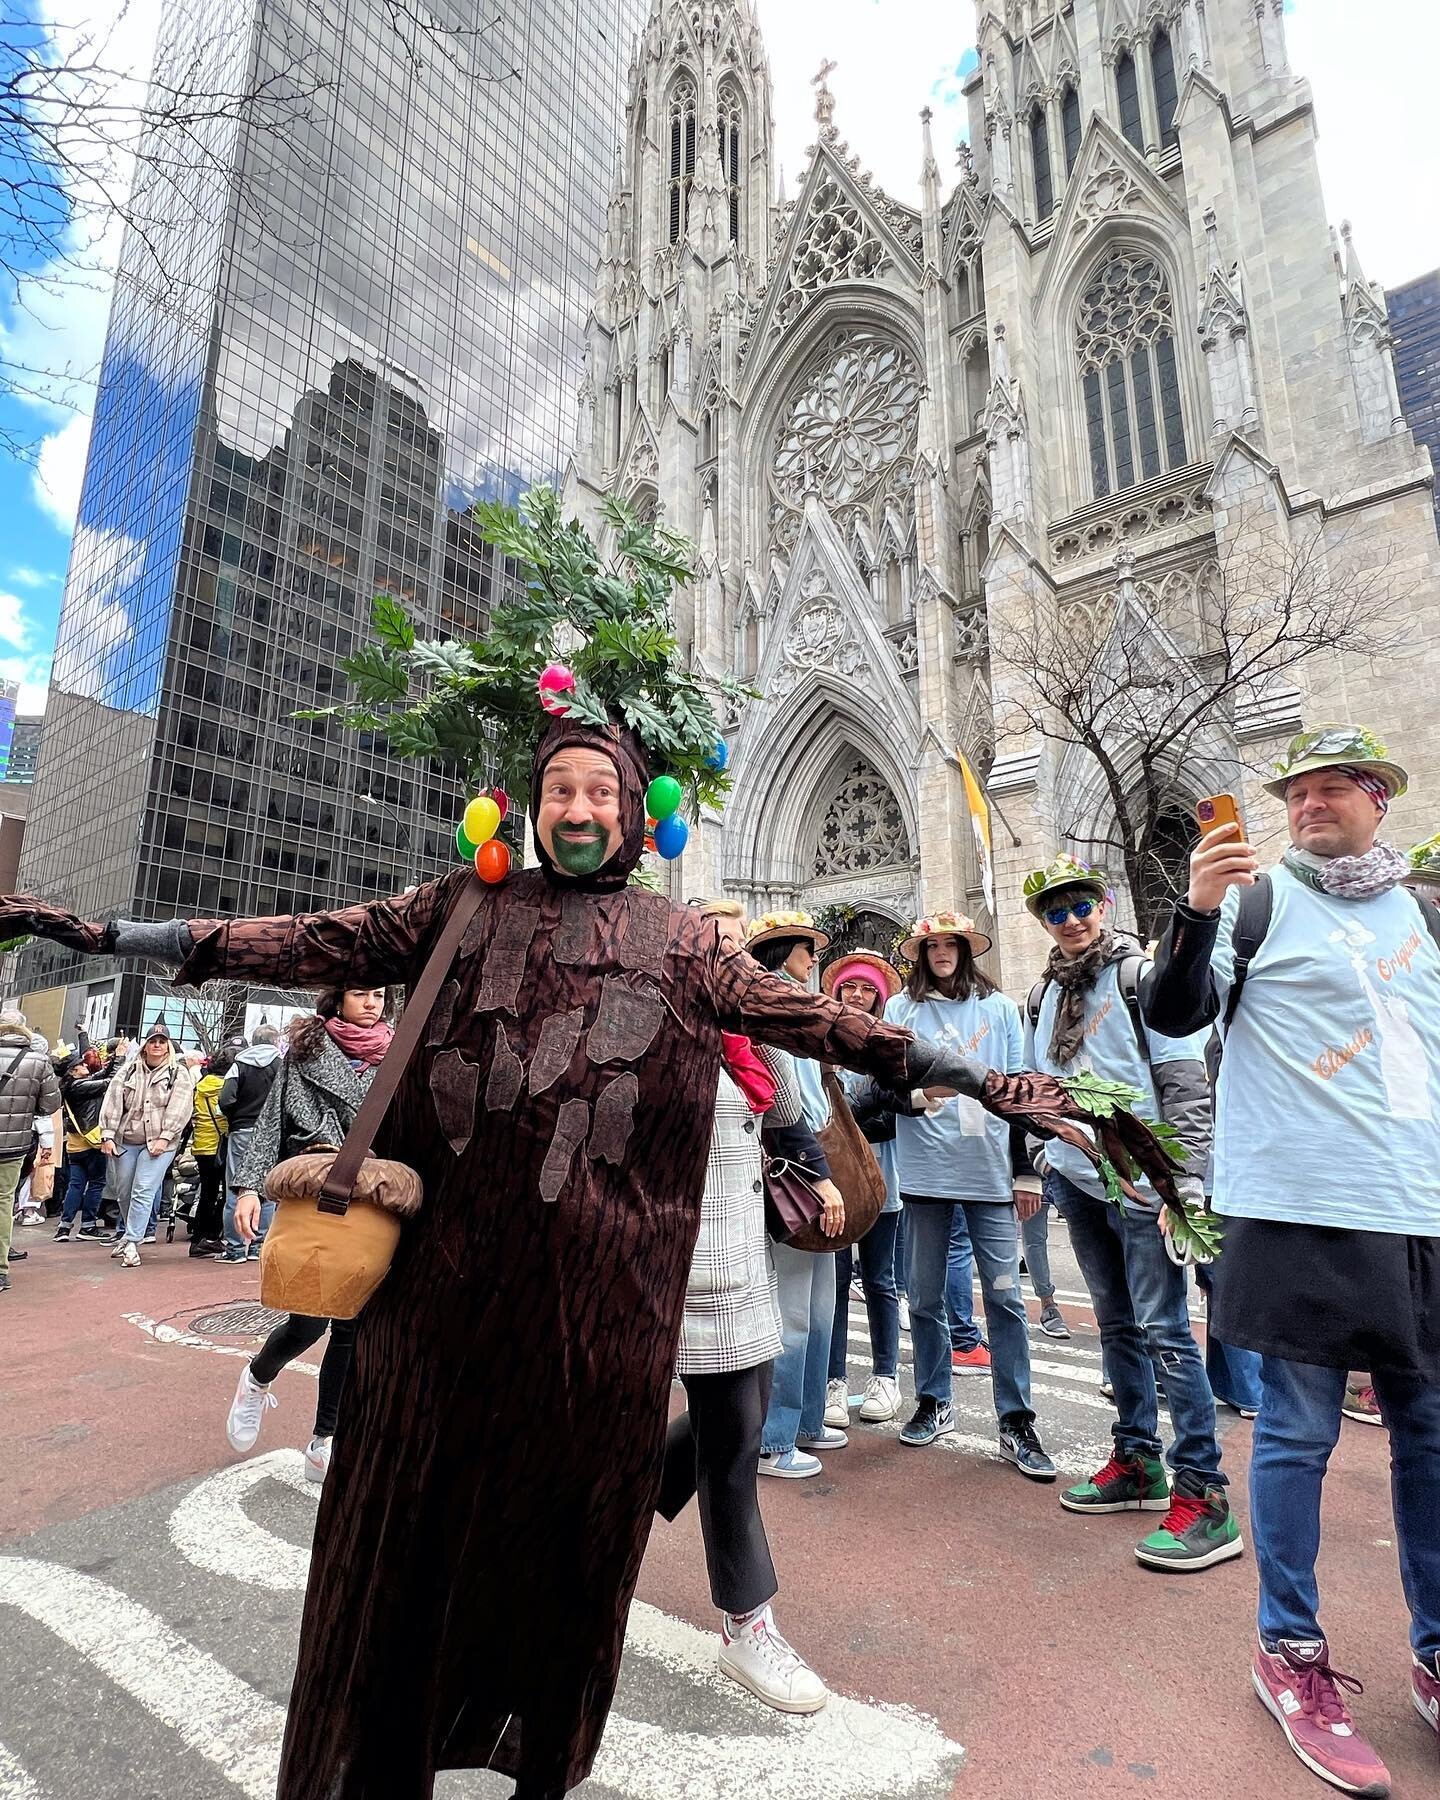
(327, 343)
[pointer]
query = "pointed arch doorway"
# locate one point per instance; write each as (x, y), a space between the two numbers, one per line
(861, 868)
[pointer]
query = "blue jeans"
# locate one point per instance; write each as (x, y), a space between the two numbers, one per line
(1139, 1300)
(991, 1228)
(84, 1187)
(1234, 1375)
(882, 1303)
(1294, 1435)
(139, 1177)
(807, 1316)
(236, 1144)
(1035, 1233)
(960, 1285)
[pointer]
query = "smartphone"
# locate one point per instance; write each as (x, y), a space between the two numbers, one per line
(1219, 809)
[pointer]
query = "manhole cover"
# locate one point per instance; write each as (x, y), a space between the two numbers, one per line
(244, 1319)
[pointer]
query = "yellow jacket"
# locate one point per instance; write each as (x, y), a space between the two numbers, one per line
(210, 1123)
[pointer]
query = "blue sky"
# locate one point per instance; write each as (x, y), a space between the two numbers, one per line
(1374, 108)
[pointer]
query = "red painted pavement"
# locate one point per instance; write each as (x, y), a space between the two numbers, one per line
(936, 1579)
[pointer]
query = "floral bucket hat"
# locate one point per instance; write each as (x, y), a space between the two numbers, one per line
(1062, 872)
(1337, 747)
(786, 924)
(1424, 860)
(943, 924)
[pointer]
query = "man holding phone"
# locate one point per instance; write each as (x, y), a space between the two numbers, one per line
(1327, 1147)
(1084, 1015)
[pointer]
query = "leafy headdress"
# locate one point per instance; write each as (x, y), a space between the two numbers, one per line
(589, 639)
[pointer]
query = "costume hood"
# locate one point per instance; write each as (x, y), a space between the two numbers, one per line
(626, 751)
(258, 1055)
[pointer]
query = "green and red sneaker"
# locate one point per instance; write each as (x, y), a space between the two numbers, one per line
(1197, 1531)
(1125, 1484)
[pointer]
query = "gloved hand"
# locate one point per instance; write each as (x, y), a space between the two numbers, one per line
(21, 914)
(930, 1065)
(1042, 1105)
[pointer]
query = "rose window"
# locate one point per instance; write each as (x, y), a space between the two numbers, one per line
(854, 418)
(863, 828)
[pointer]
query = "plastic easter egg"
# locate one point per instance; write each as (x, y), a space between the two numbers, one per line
(502, 800)
(555, 682)
(482, 820)
(718, 757)
(492, 861)
(663, 797)
(671, 836)
(463, 844)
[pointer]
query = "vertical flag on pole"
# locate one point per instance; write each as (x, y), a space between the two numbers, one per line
(980, 821)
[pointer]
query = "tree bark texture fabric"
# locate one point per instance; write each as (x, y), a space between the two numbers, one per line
(479, 1539)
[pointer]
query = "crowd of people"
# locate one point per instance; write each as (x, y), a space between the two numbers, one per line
(1306, 1115)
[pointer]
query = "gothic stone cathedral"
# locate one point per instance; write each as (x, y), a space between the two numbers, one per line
(1124, 351)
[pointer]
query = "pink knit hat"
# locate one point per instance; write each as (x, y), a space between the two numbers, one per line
(862, 965)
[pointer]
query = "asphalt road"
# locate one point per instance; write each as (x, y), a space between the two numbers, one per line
(150, 1589)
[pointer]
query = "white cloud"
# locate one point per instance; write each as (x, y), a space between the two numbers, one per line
(32, 675)
(32, 578)
(1379, 152)
(14, 626)
(892, 59)
(1373, 80)
(60, 469)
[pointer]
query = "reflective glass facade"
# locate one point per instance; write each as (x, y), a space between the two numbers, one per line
(329, 343)
(1415, 320)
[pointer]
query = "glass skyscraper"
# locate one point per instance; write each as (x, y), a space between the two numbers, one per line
(1415, 320)
(336, 330)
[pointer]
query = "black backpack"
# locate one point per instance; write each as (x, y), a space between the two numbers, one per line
(1252, 921)
(1131, 962)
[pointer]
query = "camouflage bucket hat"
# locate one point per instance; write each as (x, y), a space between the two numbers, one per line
(1424, 860)
(1337, 747)
(1062, 872)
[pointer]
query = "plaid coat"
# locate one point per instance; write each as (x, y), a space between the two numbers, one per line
(732, 1315)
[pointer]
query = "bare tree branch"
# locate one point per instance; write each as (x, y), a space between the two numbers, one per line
(1149, 679)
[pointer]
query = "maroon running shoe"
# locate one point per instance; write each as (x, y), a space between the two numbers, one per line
(1297, 1685)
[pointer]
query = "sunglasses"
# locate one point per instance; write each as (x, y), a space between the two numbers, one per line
(1082, 909)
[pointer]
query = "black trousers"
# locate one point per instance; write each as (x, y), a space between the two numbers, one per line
(208, 1219)
(712, 1451)
(292, 1339)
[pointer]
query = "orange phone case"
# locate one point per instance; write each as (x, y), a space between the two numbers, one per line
(1218, 809)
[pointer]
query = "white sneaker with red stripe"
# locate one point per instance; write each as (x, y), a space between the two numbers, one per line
(754, 1654)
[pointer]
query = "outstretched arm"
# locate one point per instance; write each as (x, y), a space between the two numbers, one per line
(383, 943)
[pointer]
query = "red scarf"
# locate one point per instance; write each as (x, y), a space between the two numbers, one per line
(748, 1072)
(362, 1044)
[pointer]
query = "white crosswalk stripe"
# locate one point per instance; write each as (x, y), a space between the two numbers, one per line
(15, 1783)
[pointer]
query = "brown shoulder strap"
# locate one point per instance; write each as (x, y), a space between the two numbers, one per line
(344, 1171)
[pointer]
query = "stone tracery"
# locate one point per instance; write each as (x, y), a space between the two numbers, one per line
(863, 828)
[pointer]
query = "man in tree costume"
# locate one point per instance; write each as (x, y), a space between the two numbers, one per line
(480, 1537)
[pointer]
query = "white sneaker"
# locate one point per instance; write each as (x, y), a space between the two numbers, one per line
(882, 1400)
(760, 1659)
(837, 1404)
(826, 1439)
(129, 1257)
(904, 1305)
(794, 1465)
(317, 1455)
(247, 1409)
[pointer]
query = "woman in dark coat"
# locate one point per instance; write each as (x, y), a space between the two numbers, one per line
(312, 1103)
(476, 1552)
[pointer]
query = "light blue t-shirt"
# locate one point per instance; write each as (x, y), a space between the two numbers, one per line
(810, 1079)
(1328, 1105)
(1110, 1049)
(961, 1152)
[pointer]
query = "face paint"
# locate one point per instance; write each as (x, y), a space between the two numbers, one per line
(580, 849)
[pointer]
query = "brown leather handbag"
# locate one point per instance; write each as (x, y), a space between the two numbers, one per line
(339, 1212)
(793, 1208)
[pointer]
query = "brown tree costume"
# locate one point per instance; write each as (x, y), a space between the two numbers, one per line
(480, 1535)
(481, 1532)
